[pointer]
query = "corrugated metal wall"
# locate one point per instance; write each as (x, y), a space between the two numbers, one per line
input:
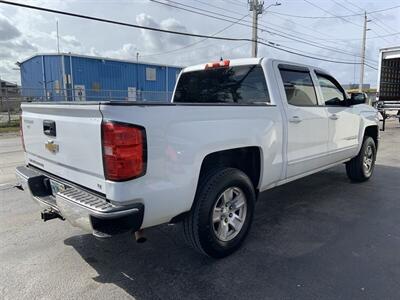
(101, 78)
(32, 77)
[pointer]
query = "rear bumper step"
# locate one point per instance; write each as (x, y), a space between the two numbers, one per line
(81, 208)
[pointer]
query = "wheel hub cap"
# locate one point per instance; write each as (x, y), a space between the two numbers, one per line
(229, 214)
(368, 159)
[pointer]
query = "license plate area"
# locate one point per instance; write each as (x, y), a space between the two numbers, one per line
(57, 187)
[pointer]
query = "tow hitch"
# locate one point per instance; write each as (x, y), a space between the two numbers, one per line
(50, 214)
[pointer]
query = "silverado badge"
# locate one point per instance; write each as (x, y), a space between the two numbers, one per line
(51, 146)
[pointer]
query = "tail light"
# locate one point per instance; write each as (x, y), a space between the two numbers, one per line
(220, 64)
(124, 151)
(21, 132)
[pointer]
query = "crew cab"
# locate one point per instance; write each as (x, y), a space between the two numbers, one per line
(232, 130)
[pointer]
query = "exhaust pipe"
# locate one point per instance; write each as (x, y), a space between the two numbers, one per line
(140, 236)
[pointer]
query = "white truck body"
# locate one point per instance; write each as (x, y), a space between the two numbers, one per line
(293, 142)
(388, 86)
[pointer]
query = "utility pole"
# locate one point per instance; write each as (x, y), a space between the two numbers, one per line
(256, 7)
(58, 39)
(364, 41)
(1, 93)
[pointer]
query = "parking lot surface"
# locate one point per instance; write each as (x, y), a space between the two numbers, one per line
(11, 155)
(320, 237)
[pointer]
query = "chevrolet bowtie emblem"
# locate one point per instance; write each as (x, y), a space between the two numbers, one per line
(51, 146)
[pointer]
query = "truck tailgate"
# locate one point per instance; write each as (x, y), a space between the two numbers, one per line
(65, 140)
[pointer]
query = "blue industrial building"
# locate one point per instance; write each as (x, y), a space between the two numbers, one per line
(70, 77)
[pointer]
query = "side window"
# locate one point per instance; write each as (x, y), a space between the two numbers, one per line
(253, 88)
(299, 87)
(151, 74)
(331, 91)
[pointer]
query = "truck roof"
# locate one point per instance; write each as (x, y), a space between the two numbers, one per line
(233, 62)
(250, 61)
(390, 49)
(390, 53)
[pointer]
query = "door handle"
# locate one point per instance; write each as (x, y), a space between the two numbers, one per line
(295, 119)
(333, 117)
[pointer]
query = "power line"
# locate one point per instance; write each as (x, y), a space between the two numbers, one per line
(380, 26)
(196, 11)
(375, 20)
(314, 57)
(328, 12)
(333, 17)
(331, 41)
(374, 37)
(160, 30)
(218, 7)
(306, 27)
(315, 44)
(363, 56)
(121, 23)
(235, 3)
(198, 42)
(265, 24)
(302, 25)
(354, 5)
(183, 50)
(275, 32)
(346, 8)
(386, 40)
(311, 55)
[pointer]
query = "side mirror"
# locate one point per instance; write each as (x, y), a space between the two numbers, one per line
(358, 98)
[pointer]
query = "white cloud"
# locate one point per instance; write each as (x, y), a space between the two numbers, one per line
(127, 51)
(161, 41)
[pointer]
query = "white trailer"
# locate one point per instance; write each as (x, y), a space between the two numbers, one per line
(388, 87)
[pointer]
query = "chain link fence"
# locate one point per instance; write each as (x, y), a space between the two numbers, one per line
(11, 99)
(10, 107)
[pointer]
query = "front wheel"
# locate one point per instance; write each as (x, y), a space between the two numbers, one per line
(361, 167)
(222, 213)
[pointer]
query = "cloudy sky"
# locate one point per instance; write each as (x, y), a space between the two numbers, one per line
(26, 32)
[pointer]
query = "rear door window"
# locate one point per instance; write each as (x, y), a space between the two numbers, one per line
(237, 85)
(299, 87)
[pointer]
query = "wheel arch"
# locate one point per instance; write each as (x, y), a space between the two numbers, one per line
(373, 132)
(247, 159)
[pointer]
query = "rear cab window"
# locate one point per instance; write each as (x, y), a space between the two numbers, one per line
(242, 85)
(299, 87)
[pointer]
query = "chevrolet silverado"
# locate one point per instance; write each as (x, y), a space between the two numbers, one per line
(232, 130)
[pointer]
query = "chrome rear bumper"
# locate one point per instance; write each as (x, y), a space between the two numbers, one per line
(80, 207)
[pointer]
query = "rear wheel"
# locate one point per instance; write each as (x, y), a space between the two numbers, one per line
(222, 212)
(361, 167)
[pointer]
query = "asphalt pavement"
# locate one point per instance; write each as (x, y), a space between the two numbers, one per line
(11, 155)
(320, 237)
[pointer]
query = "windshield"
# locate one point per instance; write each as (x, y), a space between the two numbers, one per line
(241, 85)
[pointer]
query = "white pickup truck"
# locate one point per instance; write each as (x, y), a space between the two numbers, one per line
(233, 129)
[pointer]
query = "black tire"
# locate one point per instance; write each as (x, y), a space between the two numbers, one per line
(199, 228)
(355, 168)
